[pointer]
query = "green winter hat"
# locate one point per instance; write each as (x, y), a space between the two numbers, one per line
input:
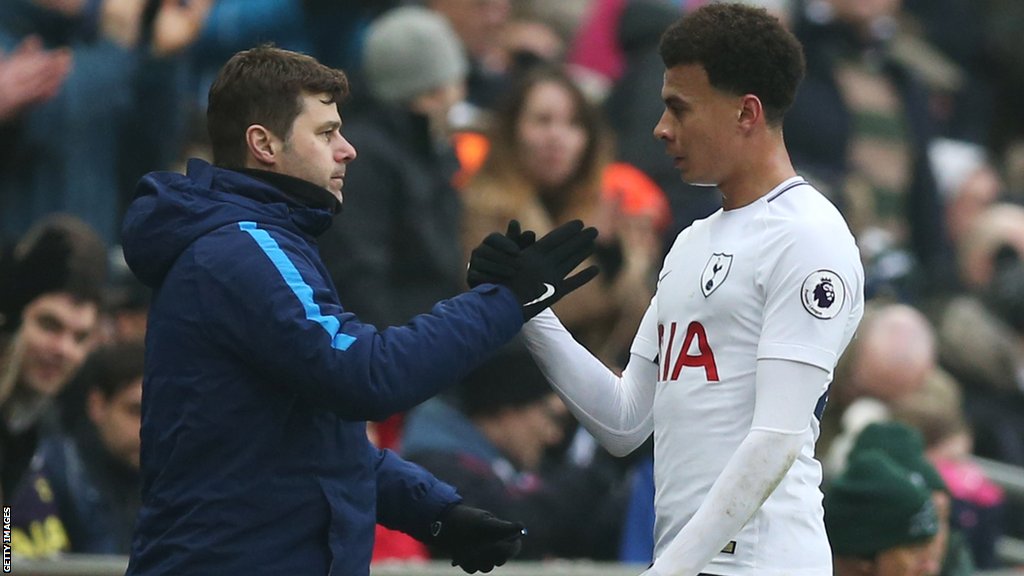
(904, 445)
(875, 505)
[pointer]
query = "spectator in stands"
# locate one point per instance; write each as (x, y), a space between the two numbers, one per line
(528, 39)
(549, 151)
(880, 522)
(93, 469)
(491, 445)
(937, 412)
(50, 293)
(947, 553)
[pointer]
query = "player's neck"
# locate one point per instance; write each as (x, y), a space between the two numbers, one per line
(759, 175)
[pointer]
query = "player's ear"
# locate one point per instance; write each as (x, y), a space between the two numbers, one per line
(750, 111)
(262, 144)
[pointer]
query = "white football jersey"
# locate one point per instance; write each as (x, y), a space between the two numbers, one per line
(780, 278)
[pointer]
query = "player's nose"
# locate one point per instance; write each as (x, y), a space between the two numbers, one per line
(661, 129)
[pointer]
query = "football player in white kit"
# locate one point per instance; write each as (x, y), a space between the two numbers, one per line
(732, 361)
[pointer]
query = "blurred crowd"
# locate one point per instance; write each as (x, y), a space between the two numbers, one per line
(468, 113)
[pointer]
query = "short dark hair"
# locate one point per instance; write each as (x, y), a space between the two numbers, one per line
(743, 49)
(510, 379)
(59, 253)
(263, 85)
(113, 367)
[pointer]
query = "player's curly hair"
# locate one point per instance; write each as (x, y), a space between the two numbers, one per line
(743, 49)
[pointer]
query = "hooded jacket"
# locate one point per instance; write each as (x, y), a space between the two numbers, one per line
(258, 384)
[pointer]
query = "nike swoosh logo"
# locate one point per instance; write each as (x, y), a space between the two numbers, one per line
(549, 291)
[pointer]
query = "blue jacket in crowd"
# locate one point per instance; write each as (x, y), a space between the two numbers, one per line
(258, 384)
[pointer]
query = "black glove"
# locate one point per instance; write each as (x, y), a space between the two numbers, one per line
(475, 539)
(494, 260)
(517, 235)
(535, 270)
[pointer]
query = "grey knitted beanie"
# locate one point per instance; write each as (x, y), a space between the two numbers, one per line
(411, 50)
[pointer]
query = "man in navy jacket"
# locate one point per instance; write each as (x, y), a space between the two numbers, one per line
(258, 383)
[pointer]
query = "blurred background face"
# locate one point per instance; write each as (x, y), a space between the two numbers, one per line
(978, 192)
(550, 136)
(530, 38)
(56, 333)
(118, 419)
(903, 561)
(896, 354)
(477, 22)
(530, 430)
(437, 104)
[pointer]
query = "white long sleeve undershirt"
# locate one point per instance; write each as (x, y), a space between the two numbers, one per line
(617, 411)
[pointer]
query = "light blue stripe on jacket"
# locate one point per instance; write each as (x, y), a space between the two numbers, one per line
(302, 291)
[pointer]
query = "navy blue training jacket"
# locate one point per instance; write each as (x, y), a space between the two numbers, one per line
(258, 384)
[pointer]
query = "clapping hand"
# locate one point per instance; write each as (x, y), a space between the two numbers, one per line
(538, 270)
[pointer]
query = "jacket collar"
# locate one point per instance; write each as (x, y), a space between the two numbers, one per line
(302, 191)
(303, 203)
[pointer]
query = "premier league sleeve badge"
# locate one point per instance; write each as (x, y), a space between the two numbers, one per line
(823, 294)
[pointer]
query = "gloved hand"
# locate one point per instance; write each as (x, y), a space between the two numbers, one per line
(535, 270)
(517, 235)
(494, 260)
(475, 539)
